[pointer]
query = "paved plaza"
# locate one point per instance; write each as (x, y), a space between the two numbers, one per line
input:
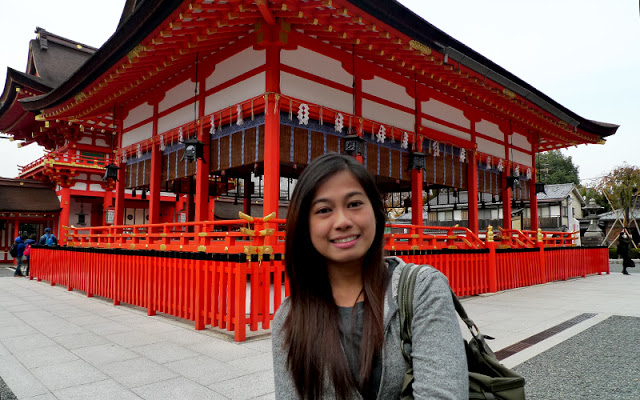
(56, 344)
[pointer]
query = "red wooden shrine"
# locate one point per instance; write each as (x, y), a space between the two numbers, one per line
(265, 87)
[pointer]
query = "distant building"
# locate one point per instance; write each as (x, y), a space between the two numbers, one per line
(558, 210)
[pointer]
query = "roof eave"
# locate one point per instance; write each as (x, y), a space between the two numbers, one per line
(406, 21)
(126, 37)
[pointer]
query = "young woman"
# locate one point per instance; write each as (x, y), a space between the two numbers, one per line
(337, 336)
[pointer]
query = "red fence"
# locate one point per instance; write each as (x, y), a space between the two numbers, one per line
(230, 276)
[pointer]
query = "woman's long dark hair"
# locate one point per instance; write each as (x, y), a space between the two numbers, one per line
(311, 328)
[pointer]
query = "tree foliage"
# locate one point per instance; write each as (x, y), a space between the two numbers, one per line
(555, 168)
(622, 186)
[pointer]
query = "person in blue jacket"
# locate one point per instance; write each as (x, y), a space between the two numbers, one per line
(48, 239)
(21, 246)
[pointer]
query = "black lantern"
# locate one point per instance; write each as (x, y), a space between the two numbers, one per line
(82, 216)
(513, 182)
(143, 195)
(354, 145)
(111, 172)
(193, 150)
(416, 161)
(540, 188)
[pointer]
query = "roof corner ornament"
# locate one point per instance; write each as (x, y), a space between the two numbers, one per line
(422, 48)
(41, 34)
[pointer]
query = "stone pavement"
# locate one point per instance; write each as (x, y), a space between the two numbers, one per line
(56, 344)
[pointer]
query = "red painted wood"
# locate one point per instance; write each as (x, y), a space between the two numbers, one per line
(202, 166)
(272, 135)
(156, 165)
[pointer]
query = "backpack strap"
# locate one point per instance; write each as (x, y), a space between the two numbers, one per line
(406, 287)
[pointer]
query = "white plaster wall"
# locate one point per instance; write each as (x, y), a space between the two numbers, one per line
(136, 135)
(82, 177)
(95, 187)
(489, 129)
(101, 142)
(85, 140)
(519, 140)
(178, 117)
(445, 129)
(236, 65)
(445, 112)
(79, 186)
(138, 114)
(387, 115)
(521, 158)
(230, 96)
(491, 148)
(317, 64)
(389, 91)
(316, 93)
(176, 95)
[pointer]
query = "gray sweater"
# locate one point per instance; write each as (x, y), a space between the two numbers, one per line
(439, 361)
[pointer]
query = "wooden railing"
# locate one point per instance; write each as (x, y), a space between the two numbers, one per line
(77, 160)
(230, 274)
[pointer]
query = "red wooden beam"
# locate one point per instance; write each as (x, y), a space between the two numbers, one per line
(265, 11)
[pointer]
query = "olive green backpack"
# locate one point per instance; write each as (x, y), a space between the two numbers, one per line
(488, 379)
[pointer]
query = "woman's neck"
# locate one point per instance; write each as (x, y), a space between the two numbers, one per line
(346, 285)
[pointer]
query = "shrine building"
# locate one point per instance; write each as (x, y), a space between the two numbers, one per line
(194, 110)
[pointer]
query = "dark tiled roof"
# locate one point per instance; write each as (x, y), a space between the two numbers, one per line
(26, 195)
(612, 215)
(58, 59)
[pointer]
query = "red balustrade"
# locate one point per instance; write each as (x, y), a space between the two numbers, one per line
(230, 274)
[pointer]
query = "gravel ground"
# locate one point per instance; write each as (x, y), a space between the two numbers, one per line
(602, 362)
(5, 392)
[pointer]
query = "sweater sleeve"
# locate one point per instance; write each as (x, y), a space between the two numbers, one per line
(285, 388)
(439, 359)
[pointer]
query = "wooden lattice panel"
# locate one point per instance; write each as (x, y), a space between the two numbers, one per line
(317, 145)
(300, 146)
(285, 143)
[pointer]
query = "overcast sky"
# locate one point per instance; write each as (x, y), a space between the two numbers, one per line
(585, 54)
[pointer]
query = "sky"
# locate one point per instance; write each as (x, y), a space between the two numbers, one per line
(584, 54)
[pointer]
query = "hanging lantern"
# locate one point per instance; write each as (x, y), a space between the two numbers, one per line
(81, 216)
(513, 182)
(540, 188)
(416, 160)
(354, 145)
(111, 172)
(193, 150)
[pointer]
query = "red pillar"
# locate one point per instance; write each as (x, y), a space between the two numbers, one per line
(65, 204)
(272, 133)
(156, 174)
(506, 201)
(202, 166)
(119, 209)
(416, 174)
(533, 198)
(472, 191)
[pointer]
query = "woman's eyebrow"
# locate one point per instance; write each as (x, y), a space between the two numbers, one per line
(347, 196)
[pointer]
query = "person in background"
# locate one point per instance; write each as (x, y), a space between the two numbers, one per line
(21, 246)
(26, 254)
(624, 252)
(48, 239)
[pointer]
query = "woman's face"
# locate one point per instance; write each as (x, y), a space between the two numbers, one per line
(342, 224)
